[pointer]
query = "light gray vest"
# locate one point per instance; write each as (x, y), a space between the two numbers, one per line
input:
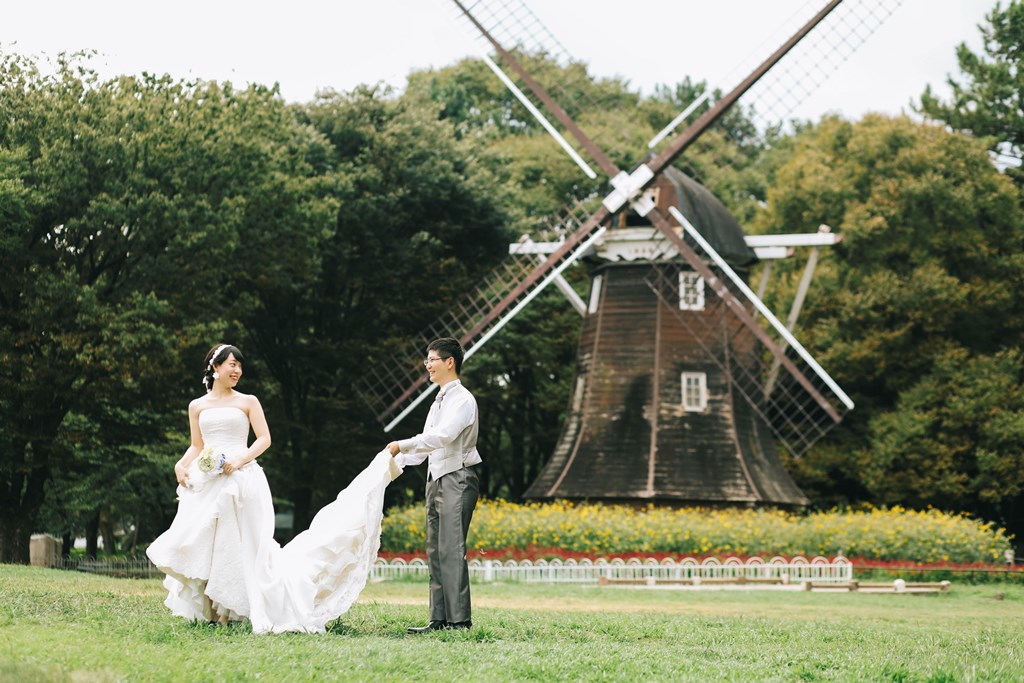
(451, 459)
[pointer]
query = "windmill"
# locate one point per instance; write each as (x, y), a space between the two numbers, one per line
(684, 376)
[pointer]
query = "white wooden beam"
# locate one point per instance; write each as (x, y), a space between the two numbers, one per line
(823, 238)
(772, 245)
(769, 253)
(562, 142)
(524, 247)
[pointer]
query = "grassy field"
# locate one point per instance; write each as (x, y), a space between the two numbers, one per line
(65, 626)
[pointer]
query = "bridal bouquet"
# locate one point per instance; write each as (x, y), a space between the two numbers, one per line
(211, 462)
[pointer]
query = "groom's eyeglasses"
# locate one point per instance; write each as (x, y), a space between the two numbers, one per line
(428, 361)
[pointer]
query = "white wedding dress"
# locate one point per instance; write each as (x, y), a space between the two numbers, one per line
(221, 558)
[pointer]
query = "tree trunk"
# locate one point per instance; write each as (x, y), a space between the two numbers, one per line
(302, 494)
(66, 542)
(22, 496)
(107, 531)
(92, 531)
(15, 535)
(302, 501)
(131, 541)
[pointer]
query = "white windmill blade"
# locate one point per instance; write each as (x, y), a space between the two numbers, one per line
(536, 113)
(476, 344)
(510, 26)
(396, 387)
(761, 307)
(800, 73)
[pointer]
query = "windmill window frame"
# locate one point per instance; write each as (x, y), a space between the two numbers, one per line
(691, 291)
(694, 391)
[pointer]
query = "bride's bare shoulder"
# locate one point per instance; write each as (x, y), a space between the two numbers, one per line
(246, 402)
(197, 404)
(248, 399)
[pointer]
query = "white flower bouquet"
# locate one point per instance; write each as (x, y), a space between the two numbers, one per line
(211, 462)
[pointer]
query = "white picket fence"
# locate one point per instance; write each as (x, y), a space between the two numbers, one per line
(788, 570)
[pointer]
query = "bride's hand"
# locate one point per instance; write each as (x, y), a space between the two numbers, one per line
(231, 466)
(181, 474)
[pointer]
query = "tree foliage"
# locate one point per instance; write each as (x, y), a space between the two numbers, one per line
(915, 313)
(988, 100)
(119, 208)
(396, 221)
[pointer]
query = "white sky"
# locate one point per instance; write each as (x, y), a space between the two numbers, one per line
(309, 44)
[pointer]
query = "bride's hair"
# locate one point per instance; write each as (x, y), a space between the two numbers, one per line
(217, 354)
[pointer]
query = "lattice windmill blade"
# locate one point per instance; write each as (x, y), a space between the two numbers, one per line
(774, 98)
(628, 188)
(825, 35)
(509, 26)
(512, 29)
(499, 298)
(808, 402)
(814, 386)
(393, 391)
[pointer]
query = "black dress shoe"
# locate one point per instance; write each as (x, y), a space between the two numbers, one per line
(461, 624)
(432, 626)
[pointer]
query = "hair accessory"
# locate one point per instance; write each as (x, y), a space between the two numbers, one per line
(217, 353)
(215, 374)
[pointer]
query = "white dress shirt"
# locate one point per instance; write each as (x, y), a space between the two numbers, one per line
(449, 435)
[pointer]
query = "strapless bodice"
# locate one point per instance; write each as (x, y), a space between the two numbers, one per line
(225, 429)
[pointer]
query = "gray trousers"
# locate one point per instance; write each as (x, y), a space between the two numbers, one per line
(450, 504)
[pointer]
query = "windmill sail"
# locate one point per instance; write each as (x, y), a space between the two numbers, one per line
(521, 41)
(394, 391)
(514, 32)
(801, 409)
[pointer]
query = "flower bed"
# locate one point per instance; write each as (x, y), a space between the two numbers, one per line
(503, 530)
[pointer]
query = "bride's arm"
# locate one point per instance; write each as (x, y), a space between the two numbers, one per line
(194, 449)
(262, 431)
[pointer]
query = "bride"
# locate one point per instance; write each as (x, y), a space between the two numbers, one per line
(219, 554)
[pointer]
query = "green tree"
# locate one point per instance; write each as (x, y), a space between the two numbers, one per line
(912, 313)
(964, 424)
(396, 222)
(122, 212)
(989, 100)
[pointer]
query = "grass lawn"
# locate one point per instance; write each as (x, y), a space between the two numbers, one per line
(57, 626)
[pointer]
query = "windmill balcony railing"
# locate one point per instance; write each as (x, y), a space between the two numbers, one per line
(785, 570)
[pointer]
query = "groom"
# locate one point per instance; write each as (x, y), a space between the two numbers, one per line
(448, 440)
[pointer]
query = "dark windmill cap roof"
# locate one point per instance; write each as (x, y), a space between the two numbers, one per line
(712, 219)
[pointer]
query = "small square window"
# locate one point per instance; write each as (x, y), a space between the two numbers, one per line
(695, 392)
(691, 291)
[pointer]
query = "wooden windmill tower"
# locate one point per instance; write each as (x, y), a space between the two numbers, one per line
(685, 378)
(656, 412)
